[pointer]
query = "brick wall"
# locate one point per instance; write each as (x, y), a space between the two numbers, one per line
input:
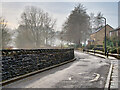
(99, 36)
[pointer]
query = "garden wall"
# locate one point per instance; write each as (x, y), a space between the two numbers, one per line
(22, 61)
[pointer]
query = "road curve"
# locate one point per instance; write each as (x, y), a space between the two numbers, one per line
(75, 74)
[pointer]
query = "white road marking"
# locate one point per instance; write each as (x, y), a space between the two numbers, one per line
(70, 78)
(96, 78)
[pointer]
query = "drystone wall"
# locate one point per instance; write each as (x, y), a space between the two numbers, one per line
(22, 61)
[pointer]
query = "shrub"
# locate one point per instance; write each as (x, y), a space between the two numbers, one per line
(113, 50)
(99, 45)
(118, 50)
(90, 47)
(100, 49)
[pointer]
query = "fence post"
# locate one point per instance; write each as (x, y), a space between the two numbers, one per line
(94, 51)
(107, 54)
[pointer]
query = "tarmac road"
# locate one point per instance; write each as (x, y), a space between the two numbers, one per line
(86, 72)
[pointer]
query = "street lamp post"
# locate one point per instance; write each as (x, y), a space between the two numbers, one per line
(105, 34)
(105, 37)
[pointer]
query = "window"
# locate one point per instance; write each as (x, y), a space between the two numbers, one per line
(110, 34)
(117, 33)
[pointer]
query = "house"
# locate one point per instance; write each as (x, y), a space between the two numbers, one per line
(97, 38)
(115, 33)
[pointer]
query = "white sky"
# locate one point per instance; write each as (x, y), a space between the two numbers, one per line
(11, 10)
(60, 0)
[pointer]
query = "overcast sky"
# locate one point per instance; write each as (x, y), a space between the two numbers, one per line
(59, 10)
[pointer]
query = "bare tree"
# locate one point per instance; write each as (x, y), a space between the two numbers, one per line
(48, 27)
(34, 28)
(99, 21)
(96, 23)
(4, 34)
(92, 22)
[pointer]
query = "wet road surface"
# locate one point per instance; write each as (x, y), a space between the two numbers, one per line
(86, 72)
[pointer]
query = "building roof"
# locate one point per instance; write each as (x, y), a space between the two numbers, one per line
(101, 29)
(115, 29)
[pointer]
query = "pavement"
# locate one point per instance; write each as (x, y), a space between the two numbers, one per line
(102, 56)
(87, 71)
(115, 77)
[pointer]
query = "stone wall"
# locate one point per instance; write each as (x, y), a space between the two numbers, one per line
(19, 62)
